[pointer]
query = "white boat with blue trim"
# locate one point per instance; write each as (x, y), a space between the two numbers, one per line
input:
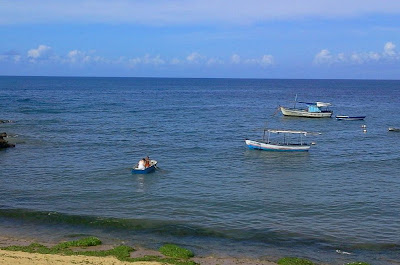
(286, 145)
(314, 110)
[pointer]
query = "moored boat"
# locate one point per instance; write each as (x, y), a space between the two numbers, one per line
(349, 118)
(313, 110)
(150, 169)
(392, 129)
(285, 146)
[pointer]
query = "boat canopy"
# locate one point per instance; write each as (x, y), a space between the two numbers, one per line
(291, 132)
(319, 104)
(323, 104)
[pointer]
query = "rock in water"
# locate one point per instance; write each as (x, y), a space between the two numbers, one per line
(4, 143)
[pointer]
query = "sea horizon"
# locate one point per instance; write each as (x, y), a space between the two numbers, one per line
(184, 77)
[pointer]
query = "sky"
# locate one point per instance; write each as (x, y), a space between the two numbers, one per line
(322, 39)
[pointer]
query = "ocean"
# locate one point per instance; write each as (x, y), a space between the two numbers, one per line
(77, 139)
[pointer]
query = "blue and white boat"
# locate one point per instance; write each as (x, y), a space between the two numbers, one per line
(349, 118)
(285, 145)
(392, 129)
(314, 110)
(150, 169)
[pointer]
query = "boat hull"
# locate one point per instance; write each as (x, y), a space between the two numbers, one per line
(392, 129)
(305, 113)
(144, 171)
(350, 118)
(256, 145)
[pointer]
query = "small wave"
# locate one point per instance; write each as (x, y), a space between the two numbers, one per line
(41, 111)
(180, 229)
(12, 135)
(160, 227)
(342, 252)
(377, 247)
(168, 228)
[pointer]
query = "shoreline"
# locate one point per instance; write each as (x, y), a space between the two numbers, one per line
(22, 234)
(25, 258)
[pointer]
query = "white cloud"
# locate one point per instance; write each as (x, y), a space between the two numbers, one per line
(212, 61)
(146, 60)
(10, 56)
(75, 56)
(41, 52)
(175, 61)
(265, 60)
(195, 57)
(389, 49)
(153, 60)
(235, 59)
(162, 12)
(83, 57)
(45, 54)
(17, 58)
(325, 57)
(341, 57)
(135, 61)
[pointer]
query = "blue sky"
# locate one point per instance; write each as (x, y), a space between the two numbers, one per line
(219, 38)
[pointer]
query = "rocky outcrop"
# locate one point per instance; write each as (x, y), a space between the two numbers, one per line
(4, 143)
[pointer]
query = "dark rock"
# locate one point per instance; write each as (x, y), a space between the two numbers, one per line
(4, 143)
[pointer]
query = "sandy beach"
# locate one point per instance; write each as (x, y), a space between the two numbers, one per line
(24, 258)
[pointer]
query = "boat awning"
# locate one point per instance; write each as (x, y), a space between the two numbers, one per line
(318, 104)
(323, 104)
(292, 132)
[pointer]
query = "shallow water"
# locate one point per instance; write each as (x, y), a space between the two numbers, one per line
(77, 139)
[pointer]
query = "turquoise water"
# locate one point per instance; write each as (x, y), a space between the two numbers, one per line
(77, 138)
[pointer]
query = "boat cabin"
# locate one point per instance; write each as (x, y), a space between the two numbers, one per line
(316, 107)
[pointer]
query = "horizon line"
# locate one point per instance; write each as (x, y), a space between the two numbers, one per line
(169, 77)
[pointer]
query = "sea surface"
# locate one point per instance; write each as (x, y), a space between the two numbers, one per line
(78, 138)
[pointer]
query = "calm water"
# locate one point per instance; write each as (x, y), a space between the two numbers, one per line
(77, 139)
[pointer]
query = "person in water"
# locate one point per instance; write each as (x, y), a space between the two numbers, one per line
(141, 164)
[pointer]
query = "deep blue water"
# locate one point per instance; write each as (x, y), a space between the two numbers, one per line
(77, 138)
